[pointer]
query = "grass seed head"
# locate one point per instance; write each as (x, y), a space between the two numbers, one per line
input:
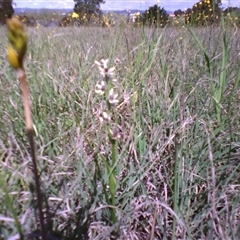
(17, 37)
(13, 58)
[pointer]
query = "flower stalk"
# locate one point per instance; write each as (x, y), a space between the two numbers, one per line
(106, 90)
(16, 51)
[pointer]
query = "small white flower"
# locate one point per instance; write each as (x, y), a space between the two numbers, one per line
(104, 117)
(103, 63)
(107, 71)
(103, 68)
(100, 88)
(112, 97)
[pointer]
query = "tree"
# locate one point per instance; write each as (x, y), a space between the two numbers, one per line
(88, 8)
(229, 10)
(188, 13)
(6, 10)
(178, 13)
(155, 16)
(232, 16)
(204, 12)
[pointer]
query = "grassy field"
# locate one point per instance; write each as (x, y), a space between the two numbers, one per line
(177, 165)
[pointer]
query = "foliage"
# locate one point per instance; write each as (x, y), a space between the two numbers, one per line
(229, 10)
(204, 12)
(68, 20)
(178, 18)
(43, 17)
(178, 13)
(155, 16)
(232, 15)
(27, 20)
(89, 8)
(6, 10)
(74, 19)
(178, 168)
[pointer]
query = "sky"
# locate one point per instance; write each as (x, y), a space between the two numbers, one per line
(170, 5)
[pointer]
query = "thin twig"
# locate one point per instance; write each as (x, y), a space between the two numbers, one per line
(154, 224)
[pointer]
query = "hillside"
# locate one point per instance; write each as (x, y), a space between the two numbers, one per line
(67, 10)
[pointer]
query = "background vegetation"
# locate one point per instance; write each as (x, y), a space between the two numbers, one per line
(88, 13)
(178, 168)
(6, 10)
(178, 164)
(155, 16)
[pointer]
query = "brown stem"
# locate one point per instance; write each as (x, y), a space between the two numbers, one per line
(25, 97)
(29, 125)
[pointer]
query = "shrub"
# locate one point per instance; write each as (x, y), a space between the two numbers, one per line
(72, 19)
(204, 12)
(28, 21)
(155, 16)
(178, 13)
(233, 17)
(90, 9)
(6, 10)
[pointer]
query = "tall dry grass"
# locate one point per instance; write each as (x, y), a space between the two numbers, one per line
(178, 164)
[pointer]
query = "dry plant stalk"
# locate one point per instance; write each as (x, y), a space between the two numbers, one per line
(16, 50)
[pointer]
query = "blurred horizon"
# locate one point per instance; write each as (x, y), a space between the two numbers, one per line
(118, 5)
